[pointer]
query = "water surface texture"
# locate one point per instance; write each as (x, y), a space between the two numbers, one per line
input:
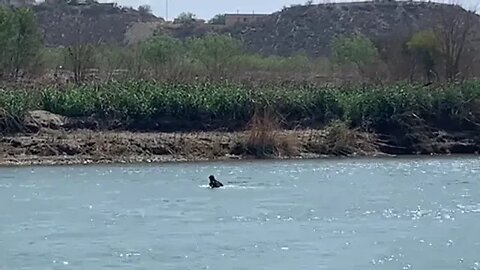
(327, 214)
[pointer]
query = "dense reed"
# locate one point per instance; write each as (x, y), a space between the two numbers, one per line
(184, 107)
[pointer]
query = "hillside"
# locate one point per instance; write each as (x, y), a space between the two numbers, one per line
(298, 28)
(65, 24)
(311, 28)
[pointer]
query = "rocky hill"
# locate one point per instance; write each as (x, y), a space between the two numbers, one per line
(311, 28)
(65, 24)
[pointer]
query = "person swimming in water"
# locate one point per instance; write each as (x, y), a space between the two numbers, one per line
(214, 183)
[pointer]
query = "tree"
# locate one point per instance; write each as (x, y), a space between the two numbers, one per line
(454, 31)
(185, 18)
(218, 19)
(355, 49)
(145, 10)
(78, 58)
(26, 41)
(161, 51)
(426, 46)
(19, 40)
(7, 33)
(215, 52)
(80, 55)
(110, 58)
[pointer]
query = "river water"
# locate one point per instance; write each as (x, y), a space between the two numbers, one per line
(324, 214)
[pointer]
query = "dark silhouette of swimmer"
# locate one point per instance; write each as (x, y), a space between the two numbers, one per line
(214, 183)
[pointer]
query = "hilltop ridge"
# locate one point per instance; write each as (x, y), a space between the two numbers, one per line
(65, 24)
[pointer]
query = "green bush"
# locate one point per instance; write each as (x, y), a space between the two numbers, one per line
(356, 49)
(161, 52)
(215, 52)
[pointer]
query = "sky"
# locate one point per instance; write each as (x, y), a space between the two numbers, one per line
(206, 9)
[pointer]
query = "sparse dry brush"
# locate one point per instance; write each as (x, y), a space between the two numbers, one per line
(341, 140)
(264, 138)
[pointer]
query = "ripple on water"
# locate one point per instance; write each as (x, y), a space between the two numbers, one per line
(228, 186)
(22, 199)
(375, 214)
(56, 198)
(470, 208)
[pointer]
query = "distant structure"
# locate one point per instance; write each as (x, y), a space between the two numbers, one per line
(17, 3)
(233, 19)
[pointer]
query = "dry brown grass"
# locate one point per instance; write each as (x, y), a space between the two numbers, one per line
(8, 123)
(265, 140)
(338, 139)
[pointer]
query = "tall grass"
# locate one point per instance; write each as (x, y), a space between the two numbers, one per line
(13, 107)
(262, 140)
(173, 107)
(225, 105)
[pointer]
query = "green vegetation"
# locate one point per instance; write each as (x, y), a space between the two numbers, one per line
(426, 47)
(217, 19)
(185, 18)
(212, 57)
(358, 50)
(141, 105)
(215, 57)
(161, 52)
(215, 52)
(164, 58)
(19, 41)
(424, 40)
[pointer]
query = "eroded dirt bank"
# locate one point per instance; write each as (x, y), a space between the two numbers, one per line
(51, 141)
(50, 147)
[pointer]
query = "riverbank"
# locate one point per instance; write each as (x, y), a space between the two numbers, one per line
(155, 122)
(57, 147)
(60, 147)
